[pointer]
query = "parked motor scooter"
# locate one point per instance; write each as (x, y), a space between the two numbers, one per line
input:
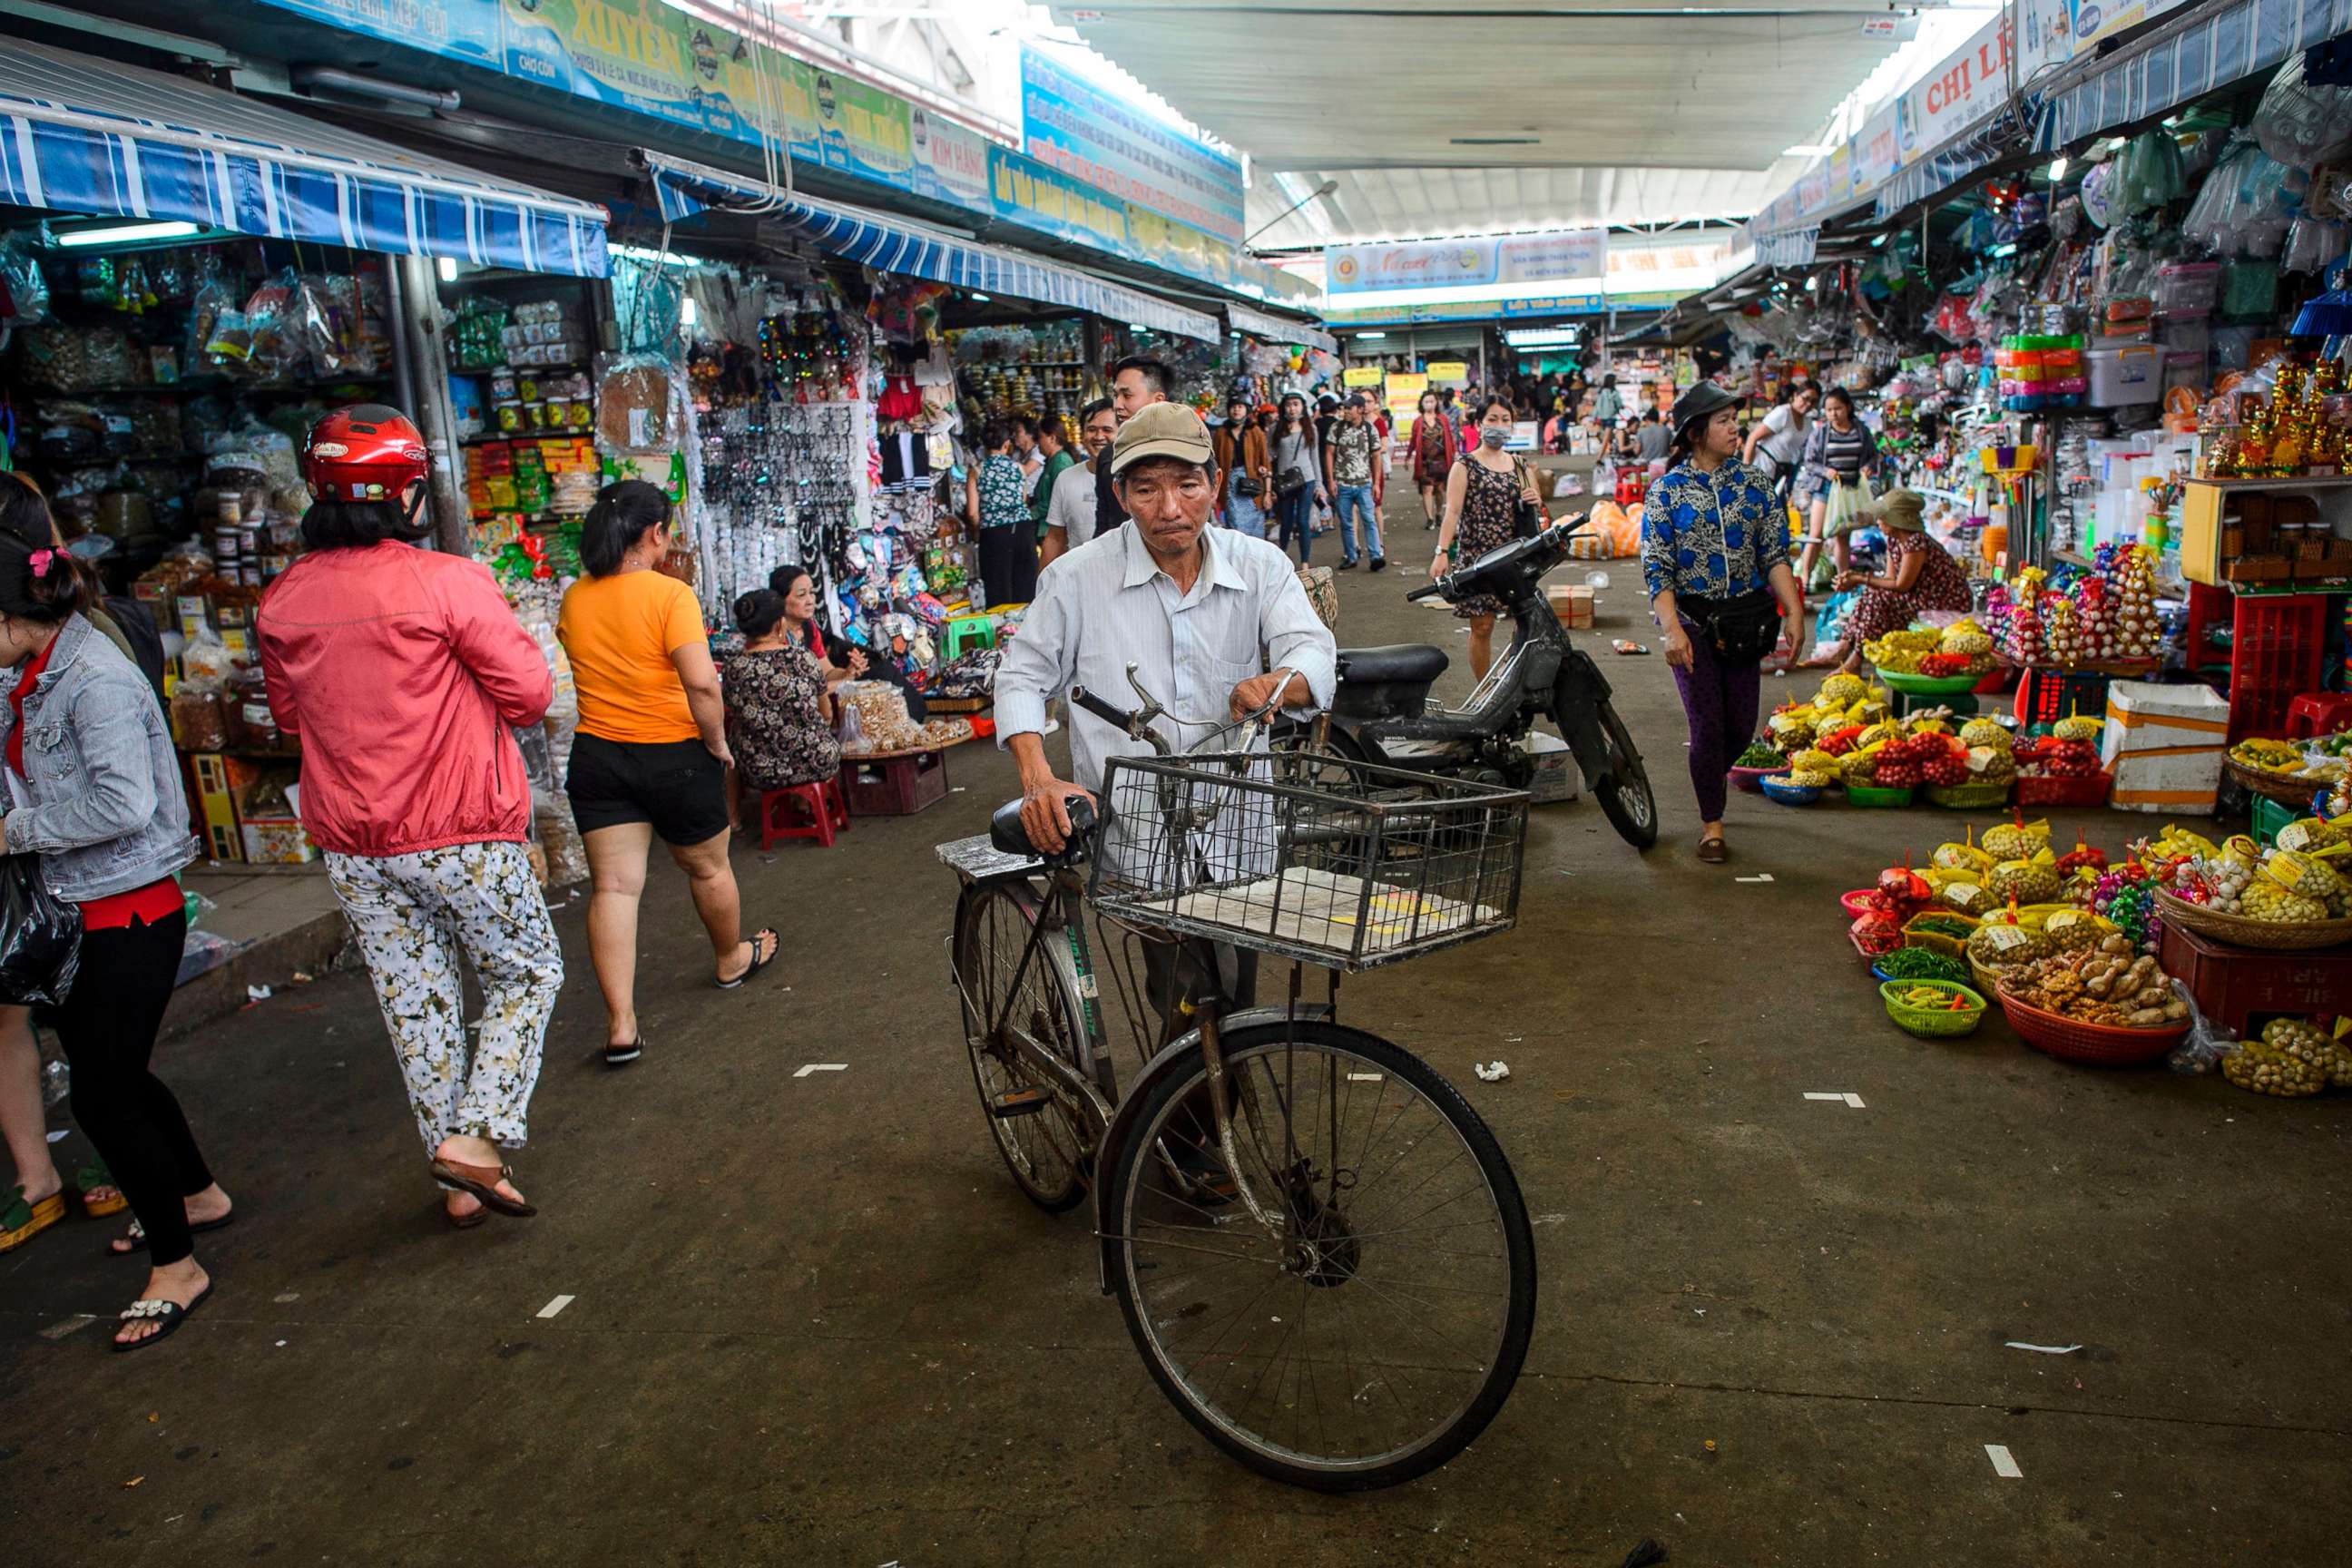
(1383, 714)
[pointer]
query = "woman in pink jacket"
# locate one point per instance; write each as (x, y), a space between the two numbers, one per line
(400, 670)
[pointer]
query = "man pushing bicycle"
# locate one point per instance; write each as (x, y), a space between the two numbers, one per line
(1213, 622)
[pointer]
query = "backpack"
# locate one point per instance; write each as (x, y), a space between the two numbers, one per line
(137, 624)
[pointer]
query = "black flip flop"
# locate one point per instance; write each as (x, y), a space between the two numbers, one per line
(170, 1314)
(622, 1055)
(138, 1235)
(774, 952)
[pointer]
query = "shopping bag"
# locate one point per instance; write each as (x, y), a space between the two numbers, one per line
(41, 936)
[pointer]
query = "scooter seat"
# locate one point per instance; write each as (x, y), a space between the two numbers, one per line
(1398, 662)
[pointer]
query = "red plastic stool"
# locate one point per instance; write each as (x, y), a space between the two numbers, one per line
(2318, 713)
(804, 811)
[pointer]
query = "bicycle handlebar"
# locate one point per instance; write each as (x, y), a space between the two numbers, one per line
(1118, 718)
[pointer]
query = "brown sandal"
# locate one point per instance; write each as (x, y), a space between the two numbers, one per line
(1713, 850)
(481, 1182)
(465, 1221)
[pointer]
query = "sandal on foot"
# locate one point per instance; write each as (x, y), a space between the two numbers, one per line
(465, 1221)
(622, 1055)
(482, 1182)
(137, 1235)
(96, 1174)
(170, 1314)
(1713, 850)
(21, 1221)
(775, 946)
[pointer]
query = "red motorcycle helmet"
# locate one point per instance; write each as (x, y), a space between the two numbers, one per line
(367, 453)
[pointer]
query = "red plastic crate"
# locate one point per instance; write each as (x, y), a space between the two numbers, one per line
(2046, 696)
(2243, 988)
(896, 785)
(2277, 647)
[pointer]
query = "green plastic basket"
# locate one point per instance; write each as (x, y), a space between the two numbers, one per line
(1871, 794)
(1927, 685)
(1932, 1024)
(1968, 796)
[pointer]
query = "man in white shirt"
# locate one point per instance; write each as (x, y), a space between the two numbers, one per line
(1213, 619)
(1070, 509)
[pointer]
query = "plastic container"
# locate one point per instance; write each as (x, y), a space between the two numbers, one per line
(1968, 796)
(2090, 790)
(2279, 644)
(2270, 815)
(1751, 779)
(2097, 1045)
(1927, 685)
(1777, 787)
(1932, 1022)
(1873, 797)
(1856, 903)
(894, 786)
(2241, 989)
(2125, 377)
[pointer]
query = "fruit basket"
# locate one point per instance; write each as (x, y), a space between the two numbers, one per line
(1778, 787)
(1932, 1022)
(1968, 796)
(1856, 903)
(2099, 1045)
(1927, 685)
(1752, 779)
(1873, 795)
(2287, 789)
(2242, 932)
(2053, 789)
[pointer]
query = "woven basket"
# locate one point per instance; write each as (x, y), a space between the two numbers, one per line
(2099, 1045)
(2241, 932)
(1932, 1022)
(1950, 946)
(2287, 789)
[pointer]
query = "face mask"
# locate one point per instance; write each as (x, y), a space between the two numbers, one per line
(1492, 437)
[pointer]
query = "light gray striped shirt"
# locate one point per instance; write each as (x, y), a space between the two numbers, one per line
(1107, 604)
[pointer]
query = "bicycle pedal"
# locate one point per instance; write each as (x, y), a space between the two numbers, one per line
(1020, 1102)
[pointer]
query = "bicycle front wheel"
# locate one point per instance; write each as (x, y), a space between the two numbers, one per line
(1375, 1335)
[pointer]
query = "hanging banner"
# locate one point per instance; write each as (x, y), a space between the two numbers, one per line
(1449, 372)
(951, 163)
(1070, 124)
(461, 29)
(1404, 391)
(865, 131)
(1362, 375)
(1480, 261)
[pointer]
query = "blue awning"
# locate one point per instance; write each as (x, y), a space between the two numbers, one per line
(2183, 62)
(1279, 329)
(891, 243)
(85, 136)
(1949, 165)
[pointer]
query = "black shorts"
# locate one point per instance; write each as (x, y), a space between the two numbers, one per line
(676, 785)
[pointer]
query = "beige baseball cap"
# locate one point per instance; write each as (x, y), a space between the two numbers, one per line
(1160, 430)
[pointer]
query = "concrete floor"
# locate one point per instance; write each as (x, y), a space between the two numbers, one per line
(810, 1321)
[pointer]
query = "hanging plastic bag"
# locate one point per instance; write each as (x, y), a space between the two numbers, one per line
(41, 936)
(2313, 244)
(2302, 123)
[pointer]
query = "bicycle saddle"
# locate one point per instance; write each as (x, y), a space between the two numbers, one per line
(1400, 661)
(1007, 832)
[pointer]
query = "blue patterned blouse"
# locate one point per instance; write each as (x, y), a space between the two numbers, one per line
(1711, 536)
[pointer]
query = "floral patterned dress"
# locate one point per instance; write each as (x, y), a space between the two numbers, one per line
(1487, 506)
(775, 718)
(1940, 585)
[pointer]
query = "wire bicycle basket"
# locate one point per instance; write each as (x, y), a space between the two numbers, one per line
(1309, 856)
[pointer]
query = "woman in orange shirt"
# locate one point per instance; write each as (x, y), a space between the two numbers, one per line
(650, 760)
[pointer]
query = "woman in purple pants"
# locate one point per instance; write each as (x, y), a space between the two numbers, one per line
(1715, 552)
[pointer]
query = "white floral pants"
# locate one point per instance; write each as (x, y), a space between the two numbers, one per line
(415, 915)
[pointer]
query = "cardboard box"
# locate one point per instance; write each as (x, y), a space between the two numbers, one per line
(1557, 776)
(219, 781)
(2164, 745)
(1572, 604)
(277, 841)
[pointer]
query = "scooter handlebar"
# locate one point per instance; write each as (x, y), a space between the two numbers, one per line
(1428, 590)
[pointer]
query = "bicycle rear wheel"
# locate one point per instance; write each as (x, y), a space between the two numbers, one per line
(1382, 1333)
(1037, 1127)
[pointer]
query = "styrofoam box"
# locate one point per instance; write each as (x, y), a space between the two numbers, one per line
(2164, 744)
(1557, 776)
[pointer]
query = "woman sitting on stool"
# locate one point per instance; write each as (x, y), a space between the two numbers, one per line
(776, 698)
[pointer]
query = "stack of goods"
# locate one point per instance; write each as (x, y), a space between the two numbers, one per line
(526, 480)
(875, 721)
(2041, 371)
(488, 334)
(2287, 434)
(2266, 540)
(2105, 616)
(2164, 746)
(1901, 893)
(525, 400)
(2292, 1059)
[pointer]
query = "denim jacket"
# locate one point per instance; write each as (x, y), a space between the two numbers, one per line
(101, 802)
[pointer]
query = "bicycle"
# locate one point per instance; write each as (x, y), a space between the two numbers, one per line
(1316, 1244)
